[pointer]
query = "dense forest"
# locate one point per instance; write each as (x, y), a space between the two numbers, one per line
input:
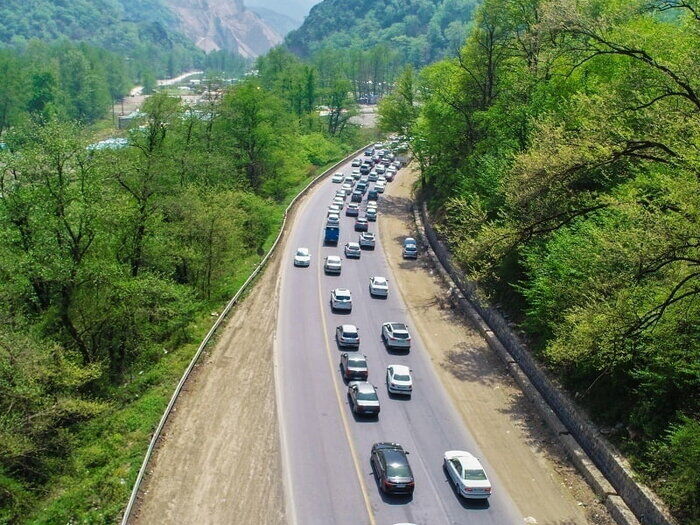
(112, 261)
(559, 155)
(418, 31)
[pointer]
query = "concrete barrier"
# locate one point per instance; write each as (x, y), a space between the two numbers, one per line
(603, 467)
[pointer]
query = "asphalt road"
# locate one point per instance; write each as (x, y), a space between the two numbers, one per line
(325, 448)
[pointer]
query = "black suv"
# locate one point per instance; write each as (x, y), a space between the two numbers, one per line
(391, 468)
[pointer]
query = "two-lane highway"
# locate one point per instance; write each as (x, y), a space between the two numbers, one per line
(326, 449)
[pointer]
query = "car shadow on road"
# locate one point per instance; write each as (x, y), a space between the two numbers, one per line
(398, 397)
(363, 419)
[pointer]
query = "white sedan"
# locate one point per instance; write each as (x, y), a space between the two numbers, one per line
(467, 474)
(399, 380)
(341, 299)
(378, 286)
(302, 257)
(337, 177)
(332, 264)
(395, 335)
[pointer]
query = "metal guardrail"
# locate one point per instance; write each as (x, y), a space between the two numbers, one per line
(207, 338)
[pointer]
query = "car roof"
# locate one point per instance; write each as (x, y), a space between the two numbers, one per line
(342, 290)
(348, 327)
(333, 258)
(467, 460)
(357, 358)
(302, 250)
(400, 368)
(379, 278)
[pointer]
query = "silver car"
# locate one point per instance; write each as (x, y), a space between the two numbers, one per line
(367, 240)
(352, 250)
(347, 335)
(378, 286)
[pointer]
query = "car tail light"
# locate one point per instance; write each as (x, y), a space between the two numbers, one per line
(469, 489)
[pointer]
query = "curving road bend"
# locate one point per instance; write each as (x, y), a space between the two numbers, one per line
(328, 477)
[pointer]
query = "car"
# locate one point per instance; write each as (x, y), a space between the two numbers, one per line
(362, 187)
(302, 257)
(379, 187)
(347, 335)
(378, 286)
(410, 248)
(353, 210)
(364, 169)
(369, 152)
(333, 219)
(339, 201)
(372, 195)
(356, 196)
(391, 468)
(390, 176)
(349, 180)
(373, 175)
(467, 475)
(399, 380)
(347, 187)
(356, 174)
(334, 208)
(341, 299)
(361, 224)
(356, 162)
(352, 250)
(380, 170)
(364, 179)
(372, 204)
(382, 180)
(396, 164)
(371, 214)
(395, 335)
(367, 240)
(341, 193)
(353, 366)
(332, 264)
(363, 398)
(337, 177)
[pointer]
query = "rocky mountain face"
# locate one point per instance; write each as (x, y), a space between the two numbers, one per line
(224, 24)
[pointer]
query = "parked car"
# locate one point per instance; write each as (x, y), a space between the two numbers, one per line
(363, 398)
(356, 196)
(339, 201)
(337, 177)
(347, 187)
(341, 299)
(356, 174)
(334, 208)
(341, 193)
(349, 180)
(361, 224)
(395, 335)
(378, 286)
(380, 170)
(302, 257)
(373, 175)
(371, 214)
(361, 187)
(391, 468)
(467, 475)
(353, 366)
(364, 169)
(367, 240)
(372, 204)
(410, 248)
(379, 187)
(399, 380)
(332, 264)
(356, 162)
(352, 210)
(390, 176)
(347, 335)
(373, 194)
(352, 250)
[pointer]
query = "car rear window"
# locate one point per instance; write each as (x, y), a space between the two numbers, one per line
(402, 377)
(474, 475)
(370, 395)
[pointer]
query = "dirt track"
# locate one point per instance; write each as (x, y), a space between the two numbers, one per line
(543, 485)
(219, 460)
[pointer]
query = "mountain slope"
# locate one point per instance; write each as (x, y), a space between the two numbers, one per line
(224, 24)
(421, 31)
(295, 9)
(281, 23)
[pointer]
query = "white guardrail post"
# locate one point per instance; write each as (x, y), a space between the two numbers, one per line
(207, 338)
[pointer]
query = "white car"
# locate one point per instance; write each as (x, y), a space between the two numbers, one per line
(378, 286)
(395, 335)
(371, 204)
(467, 474)
(341, 193)
(347, 335)
(341, 299)
(371, 214)
(356, 174)
(367, 240)
(382, 180)
(334, 208)
(302, 257)
(333, 219)
(399, 380)
(332, 264)
(380, 187)
(339, 201)
(337, 177)
(347, 187)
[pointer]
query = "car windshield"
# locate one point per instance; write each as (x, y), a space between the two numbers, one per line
(369, 395)
(400, 335)
(401, 377)
(474, 475)
(303, 252)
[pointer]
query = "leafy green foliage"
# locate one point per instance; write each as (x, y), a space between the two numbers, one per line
(110, 263)
(558, 150)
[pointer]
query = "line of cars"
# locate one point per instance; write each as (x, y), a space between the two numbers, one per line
(389, 461)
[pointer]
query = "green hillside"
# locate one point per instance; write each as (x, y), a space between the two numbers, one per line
(420, 30)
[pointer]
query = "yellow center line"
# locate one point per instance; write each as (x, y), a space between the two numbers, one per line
(338, 396)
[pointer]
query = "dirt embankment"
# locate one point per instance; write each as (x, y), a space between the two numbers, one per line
(219, 459)
(542, 483)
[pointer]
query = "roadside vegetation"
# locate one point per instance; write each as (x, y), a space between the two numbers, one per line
(112, 262)
(559, 156)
